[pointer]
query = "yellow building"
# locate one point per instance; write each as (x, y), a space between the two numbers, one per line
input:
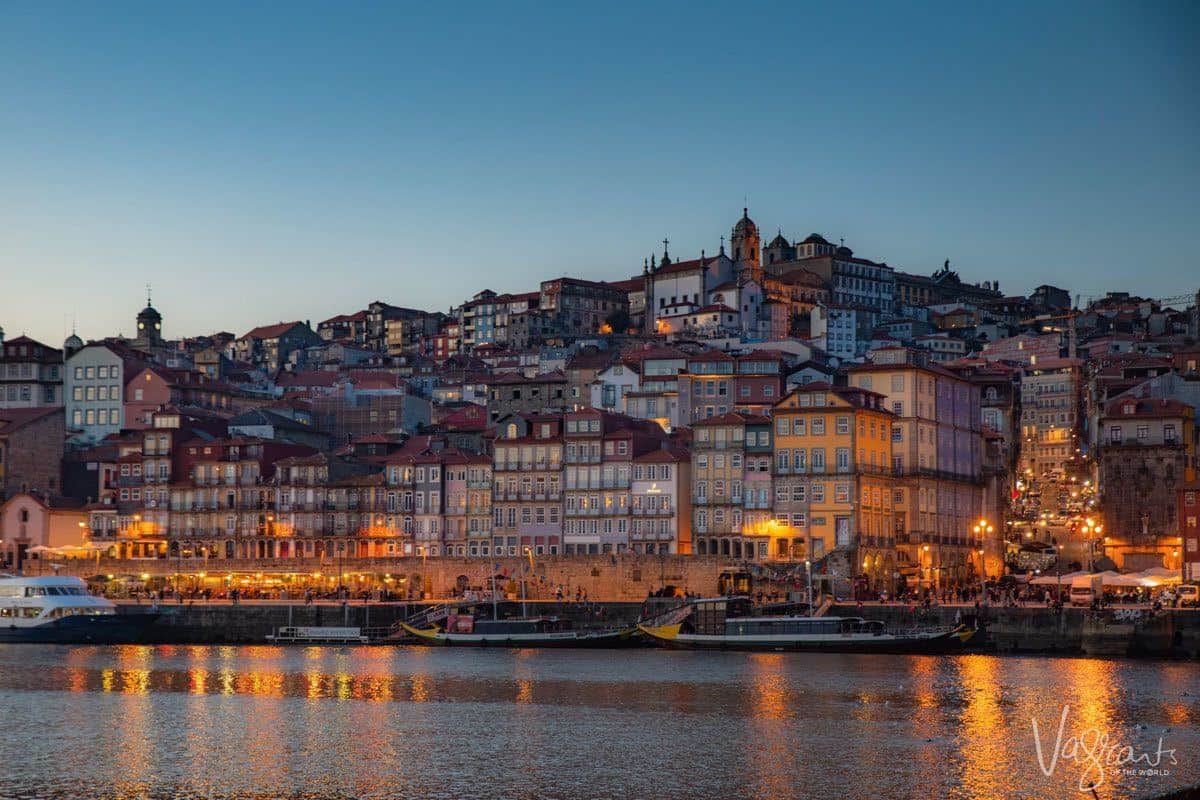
(937, 452)
(833, 478)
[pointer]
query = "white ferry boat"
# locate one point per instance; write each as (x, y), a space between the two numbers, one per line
(60, 610)
(727, 623)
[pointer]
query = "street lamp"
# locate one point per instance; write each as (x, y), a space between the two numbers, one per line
(424, 550)
(341, 575)
(808, 569)
(982, 529)
(528, 552)
(929, 569)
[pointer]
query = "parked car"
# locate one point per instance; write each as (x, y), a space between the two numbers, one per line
(1189, 596)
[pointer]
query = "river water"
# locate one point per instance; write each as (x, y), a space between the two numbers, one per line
(278, 722)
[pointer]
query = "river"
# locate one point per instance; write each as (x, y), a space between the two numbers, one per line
(278, 722)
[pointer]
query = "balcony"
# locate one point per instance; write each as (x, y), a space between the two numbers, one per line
(653, 512)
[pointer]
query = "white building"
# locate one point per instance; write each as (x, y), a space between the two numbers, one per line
(835, 328)
(611, 386)
(745, 297)
(661, 505)
(941, 347)
(94, 393)
(30, 373)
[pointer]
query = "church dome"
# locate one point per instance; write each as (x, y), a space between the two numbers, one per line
(779, 241)
(815, 238)
(72, 342)
(745, 224)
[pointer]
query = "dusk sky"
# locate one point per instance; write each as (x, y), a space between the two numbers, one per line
(296, 161)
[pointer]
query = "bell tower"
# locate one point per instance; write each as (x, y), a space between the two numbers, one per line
(149, 324)
(747, 252)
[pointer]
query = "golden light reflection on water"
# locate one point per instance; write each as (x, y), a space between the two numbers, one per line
(135, 681)
(772, 700)
(198, 680)
(785, 725)
(314, 685)
(1093, 686)
(985, 754)
(134, 751)
(419, 689)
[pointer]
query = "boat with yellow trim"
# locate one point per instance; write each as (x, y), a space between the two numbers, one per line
(714, 624)
(521, 632)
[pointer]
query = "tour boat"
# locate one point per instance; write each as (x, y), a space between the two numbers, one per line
(59, 610)
(717, 624)
(465, 631)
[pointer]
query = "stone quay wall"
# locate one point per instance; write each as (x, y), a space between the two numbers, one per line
(251, 623)
(1069, 631)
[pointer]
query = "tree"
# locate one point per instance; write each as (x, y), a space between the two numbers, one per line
(618, 321)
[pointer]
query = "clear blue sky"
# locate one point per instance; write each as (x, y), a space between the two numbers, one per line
(269, 161)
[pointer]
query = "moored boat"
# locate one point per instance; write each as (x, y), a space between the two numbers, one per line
(465, 631)
(60, 610)
(723, 624)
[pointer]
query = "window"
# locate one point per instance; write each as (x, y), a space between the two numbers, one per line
(818, 427)
(897, 433)
(799, 427)
(843, 425)
(818, 459)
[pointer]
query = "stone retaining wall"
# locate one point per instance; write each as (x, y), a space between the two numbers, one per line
(1070, 631)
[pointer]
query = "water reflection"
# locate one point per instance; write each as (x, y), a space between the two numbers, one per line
(439, 723)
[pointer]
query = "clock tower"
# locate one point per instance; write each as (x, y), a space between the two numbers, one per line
(149, 324)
